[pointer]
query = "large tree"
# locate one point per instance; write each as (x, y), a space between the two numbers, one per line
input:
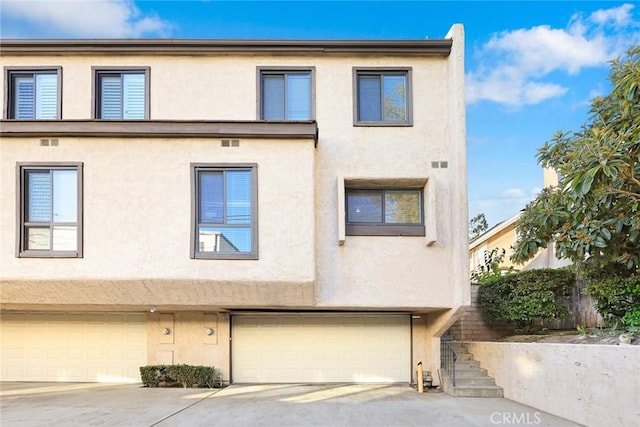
(593, 214)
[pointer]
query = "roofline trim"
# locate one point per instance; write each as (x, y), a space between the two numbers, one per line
(478, 241)
(169, 46)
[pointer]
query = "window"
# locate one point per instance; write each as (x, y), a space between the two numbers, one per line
(285, 95)
(382, 97)
(33, 94)
(389, 211)
(224, 211)
(50, 205)
(122, 94)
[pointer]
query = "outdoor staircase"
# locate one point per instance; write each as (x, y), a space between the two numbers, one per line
(471, 379)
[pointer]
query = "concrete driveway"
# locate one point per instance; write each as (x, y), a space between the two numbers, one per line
(47, 404)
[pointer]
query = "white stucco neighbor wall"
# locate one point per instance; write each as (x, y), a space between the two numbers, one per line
(594, 385)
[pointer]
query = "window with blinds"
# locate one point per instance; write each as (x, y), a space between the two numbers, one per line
(286, 95)
(34, 95)
(382, 97)
(50, 210)
(121, 95)
(224, 212)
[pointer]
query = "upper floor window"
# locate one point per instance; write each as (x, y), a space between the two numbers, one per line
(33, 94)
(387, 211)
(224, 211)
(382, 97)
(286, 95)
(50, 210)
(122, 94)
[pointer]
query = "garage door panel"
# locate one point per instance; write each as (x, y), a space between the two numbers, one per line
(105, 347)
(323, 348)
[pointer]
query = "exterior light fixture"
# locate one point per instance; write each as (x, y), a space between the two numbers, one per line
(166, 331)
(210, 331)
(153, 309)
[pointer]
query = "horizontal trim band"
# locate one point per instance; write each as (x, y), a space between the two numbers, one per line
(159, 128)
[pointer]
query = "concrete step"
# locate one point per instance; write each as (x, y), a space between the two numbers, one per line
(467, 364)
(470, 372)
(478, 380)
(457, 347)
(477, 391)
(464, 356)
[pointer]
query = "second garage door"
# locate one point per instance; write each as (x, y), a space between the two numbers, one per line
(321, 348)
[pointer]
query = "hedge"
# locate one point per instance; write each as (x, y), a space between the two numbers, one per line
(186, 376)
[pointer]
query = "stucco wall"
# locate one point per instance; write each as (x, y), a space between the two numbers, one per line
(137, 191)
(594, 385)
(188, 342)
(136, 212)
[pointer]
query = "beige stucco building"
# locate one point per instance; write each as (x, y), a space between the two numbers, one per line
(285, 211)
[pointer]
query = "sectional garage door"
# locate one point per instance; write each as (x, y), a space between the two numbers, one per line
(321, 348)
(83, 347)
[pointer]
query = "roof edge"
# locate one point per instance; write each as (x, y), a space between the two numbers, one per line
(170, 46)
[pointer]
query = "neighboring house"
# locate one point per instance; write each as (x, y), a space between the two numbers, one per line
(471, 326)
(502, 236)
(284, 210)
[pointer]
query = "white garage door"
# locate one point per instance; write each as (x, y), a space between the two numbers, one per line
(321, 348)
(91, 347)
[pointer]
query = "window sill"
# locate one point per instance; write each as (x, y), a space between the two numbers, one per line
(204, 256)
(38, 254)
(385, 230)
(382, 124)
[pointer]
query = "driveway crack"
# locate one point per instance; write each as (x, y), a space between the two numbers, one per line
(184, 409)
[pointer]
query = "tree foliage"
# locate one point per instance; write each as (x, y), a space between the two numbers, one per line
(593, 215)
(477, 226)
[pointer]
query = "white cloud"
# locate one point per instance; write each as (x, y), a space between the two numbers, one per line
(77, 18)
(515, 66)
(617, 16)
(513, 193)
(502, 204)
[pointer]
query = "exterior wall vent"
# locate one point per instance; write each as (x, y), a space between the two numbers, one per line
(48, 142)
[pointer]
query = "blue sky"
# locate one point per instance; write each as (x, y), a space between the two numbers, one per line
(532, 67)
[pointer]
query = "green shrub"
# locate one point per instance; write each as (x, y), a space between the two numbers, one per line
(527, 296)
(179, 375)
(151, 375)
(631, 320)
(615, 295)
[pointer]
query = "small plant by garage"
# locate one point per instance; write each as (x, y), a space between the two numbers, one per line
(187, 376)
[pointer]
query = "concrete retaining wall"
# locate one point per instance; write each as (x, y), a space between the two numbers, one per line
(594, 385)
